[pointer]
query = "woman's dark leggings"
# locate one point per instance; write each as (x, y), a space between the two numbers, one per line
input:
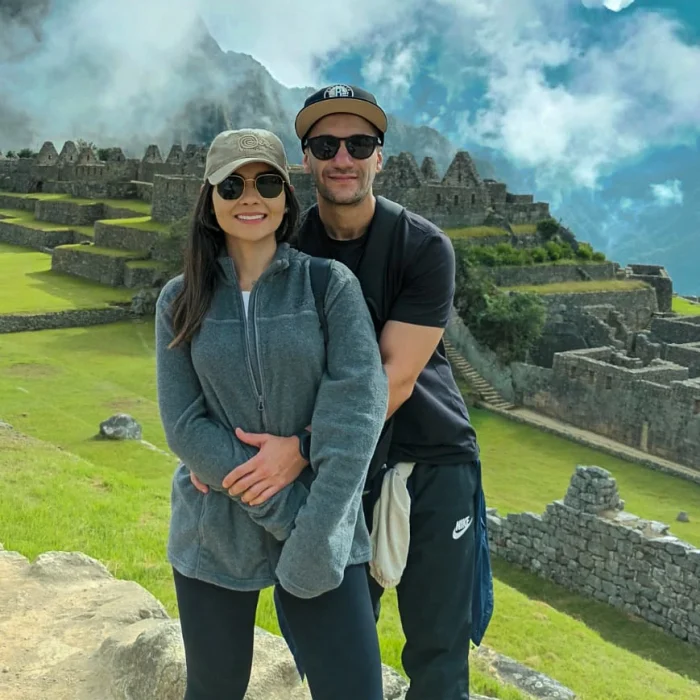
(335, 634)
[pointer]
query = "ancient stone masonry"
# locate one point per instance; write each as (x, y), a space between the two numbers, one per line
(653, 407)
(658, 278)
(459, 198)
(587, 543)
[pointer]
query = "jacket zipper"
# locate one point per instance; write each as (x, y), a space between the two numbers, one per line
(261, 404)
(251, 373)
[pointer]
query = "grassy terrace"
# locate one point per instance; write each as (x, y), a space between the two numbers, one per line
(476, 232)
(109, 252)
(142, 223)
(685, 307)
(581, 287)
(112, 501)
(136, 205)
(489, 231)
(41, 196)
(26, 218)
(27, 285)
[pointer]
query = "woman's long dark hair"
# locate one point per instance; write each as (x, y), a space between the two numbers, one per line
(204, 244)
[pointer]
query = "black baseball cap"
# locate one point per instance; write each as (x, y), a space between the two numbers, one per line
(338, 98)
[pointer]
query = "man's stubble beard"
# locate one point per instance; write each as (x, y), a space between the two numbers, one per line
(360, 195)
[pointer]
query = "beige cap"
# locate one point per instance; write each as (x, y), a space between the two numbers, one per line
(231, 150)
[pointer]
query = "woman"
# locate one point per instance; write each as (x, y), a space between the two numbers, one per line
(239, 345)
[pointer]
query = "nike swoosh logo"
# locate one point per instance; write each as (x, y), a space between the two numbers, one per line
(461, 527)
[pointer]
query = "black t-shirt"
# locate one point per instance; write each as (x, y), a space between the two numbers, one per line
(433, 425)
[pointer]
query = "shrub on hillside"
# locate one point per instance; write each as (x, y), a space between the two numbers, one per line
(504, 254)
(539, 255)
(509, 324)
(598, 256)
(547, 228)
(26, 153)
(584, 251)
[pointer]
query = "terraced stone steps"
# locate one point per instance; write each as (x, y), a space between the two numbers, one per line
(104, 265)
(136, 233)
(487, 393)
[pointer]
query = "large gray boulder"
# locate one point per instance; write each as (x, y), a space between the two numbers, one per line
(70, 631)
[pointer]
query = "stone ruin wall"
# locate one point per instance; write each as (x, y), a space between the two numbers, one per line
(653, 407)
(588, 544)
(459, 198)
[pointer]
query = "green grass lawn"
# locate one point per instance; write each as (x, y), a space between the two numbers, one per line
(489, 231)
(685, 307)
(26, 218)
(582, 286)
(136, 205)
(111, 500)
(108, 252)
(40, 196)
(476, 232)
(27, 285)
(142, 223)
(524, 229)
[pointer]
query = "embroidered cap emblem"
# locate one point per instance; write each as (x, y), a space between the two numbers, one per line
(339, 91)
(249, 141)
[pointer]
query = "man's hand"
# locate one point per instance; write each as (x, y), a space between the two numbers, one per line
(197, 483)
(277, 464)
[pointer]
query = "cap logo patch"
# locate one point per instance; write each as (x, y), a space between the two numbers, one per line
(338, 91)
(249, 141)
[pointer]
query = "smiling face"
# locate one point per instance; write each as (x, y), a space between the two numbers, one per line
(251, 217)
(343, 179)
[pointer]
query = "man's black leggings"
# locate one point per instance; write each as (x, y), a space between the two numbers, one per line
(334, 632)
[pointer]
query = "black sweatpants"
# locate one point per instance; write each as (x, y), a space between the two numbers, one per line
(335, 632)
(435, 591)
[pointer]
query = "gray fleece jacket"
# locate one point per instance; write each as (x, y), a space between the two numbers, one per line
(269, 373)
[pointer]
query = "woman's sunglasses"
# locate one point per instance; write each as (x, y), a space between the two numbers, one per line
(360, 146)
(268, 185)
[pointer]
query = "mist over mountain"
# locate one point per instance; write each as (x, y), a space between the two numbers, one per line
(184, 91)
(588, 104)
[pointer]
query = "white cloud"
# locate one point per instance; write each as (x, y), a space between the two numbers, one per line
(617, 101)
(571, 111)
(667, 193)
(614, 5)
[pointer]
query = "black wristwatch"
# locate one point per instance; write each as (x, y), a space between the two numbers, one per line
(305, 444)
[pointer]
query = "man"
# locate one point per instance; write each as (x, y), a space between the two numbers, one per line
(407, 273)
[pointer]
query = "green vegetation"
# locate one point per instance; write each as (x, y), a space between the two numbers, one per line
(524, 229)
(476, 232)
(510, 324)
(26, 218)
(39, 196)
(146, 264)
(581, 287)
(88, 231)
(685, 307)
(505, 254)
(27, 285)
(135, 205)
(107, 252)
(111, 500)
(141, 223)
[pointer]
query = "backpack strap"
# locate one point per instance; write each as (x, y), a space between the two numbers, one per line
(320, 274)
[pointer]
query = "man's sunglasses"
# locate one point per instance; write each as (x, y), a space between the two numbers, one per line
(268, 185)
(360, 146)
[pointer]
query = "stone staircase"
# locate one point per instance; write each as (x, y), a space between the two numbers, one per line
(486, 392)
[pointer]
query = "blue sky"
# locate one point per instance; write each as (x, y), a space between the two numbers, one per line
(592, 105)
